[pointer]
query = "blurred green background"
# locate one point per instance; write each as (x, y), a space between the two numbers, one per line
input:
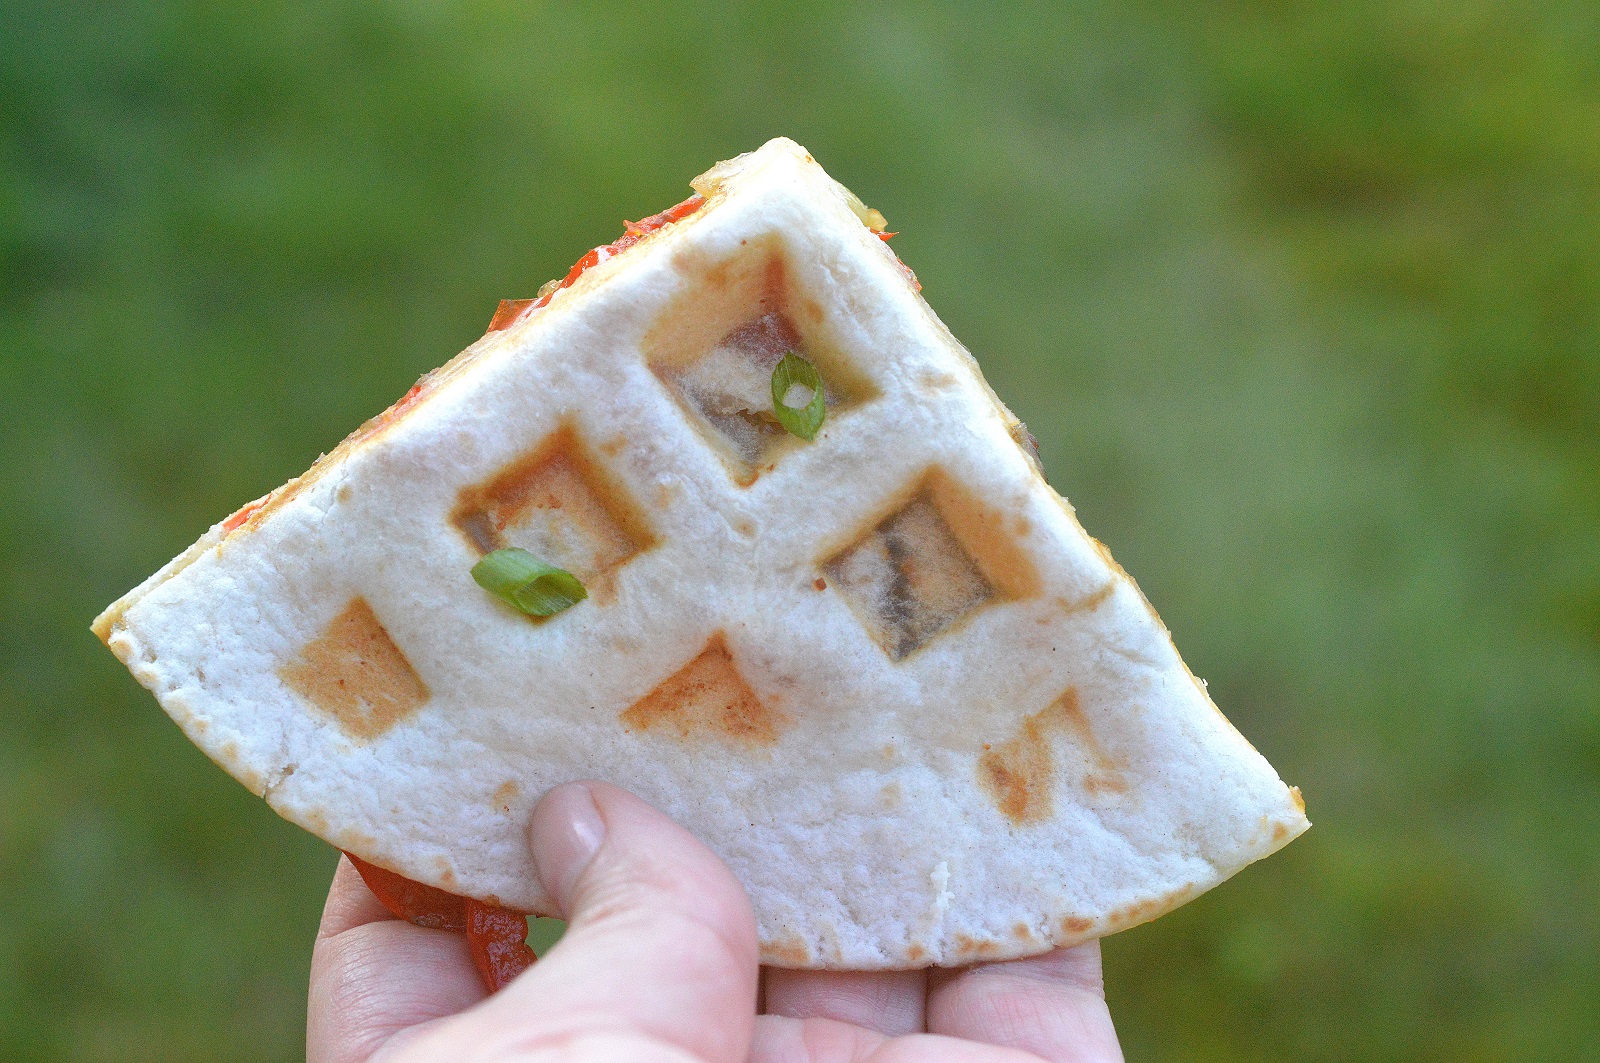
(1302, 300)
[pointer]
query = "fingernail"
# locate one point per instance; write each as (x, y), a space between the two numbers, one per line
(565, 834)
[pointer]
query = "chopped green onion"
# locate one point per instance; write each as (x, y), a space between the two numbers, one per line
(543, 933)
(526, 582)
(802, 421)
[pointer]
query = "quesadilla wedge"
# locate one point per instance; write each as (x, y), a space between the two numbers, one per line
(725, 516)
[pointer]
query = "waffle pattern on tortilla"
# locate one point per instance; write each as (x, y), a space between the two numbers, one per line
(884, 674)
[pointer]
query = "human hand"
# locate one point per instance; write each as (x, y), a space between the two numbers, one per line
(658, 965)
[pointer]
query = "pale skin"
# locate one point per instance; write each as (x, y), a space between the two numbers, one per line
(659, 965)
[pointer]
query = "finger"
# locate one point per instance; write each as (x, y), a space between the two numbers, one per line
(889, 1002)
(661, 941)
(1052, 1005)
(779, 1039)
(350, 903)
(373, 975)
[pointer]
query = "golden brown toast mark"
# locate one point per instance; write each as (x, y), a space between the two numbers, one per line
(355, 673)
(107, 622)
(787, 951)
(929, 564)
(716, 347)
(968, 947)
(1146, 910)
(352, 840)
(1027, 443)
(557, 503)
(707, 698)
(1094, 600)
(1019, 773)
(504, 794)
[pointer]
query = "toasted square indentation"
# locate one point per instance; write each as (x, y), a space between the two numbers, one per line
(716, 349)
(557, 503)
(938, 557)
(1020, 773)
(707, 699)
(355, 674)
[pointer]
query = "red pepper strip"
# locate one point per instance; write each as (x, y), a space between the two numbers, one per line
(885, 236)
(497, 938)
(412, 901)
(244, 513)
(634, 232)
(580, 267)
(674, 213)
(508, 313)
(407, 399)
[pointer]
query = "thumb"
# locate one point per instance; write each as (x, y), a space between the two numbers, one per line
(661, 941)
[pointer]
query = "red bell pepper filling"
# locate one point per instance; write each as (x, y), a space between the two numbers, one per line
(508, 313)
(496, 937)
(407, 399)
(632, 233)
(511, 311)
(242, 514)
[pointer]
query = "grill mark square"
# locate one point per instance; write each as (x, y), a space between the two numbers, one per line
(558, 503)
(354, 673)
(716, 352)
(1020, 774)
(930, 564)
(707, 698)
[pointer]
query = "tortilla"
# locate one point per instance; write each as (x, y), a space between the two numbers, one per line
(885, 674)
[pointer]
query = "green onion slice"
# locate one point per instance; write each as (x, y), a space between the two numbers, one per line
(526, 582)
(802, 421)
(543, 933)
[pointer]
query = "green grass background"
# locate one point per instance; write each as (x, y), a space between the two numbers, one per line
(1300, 298)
